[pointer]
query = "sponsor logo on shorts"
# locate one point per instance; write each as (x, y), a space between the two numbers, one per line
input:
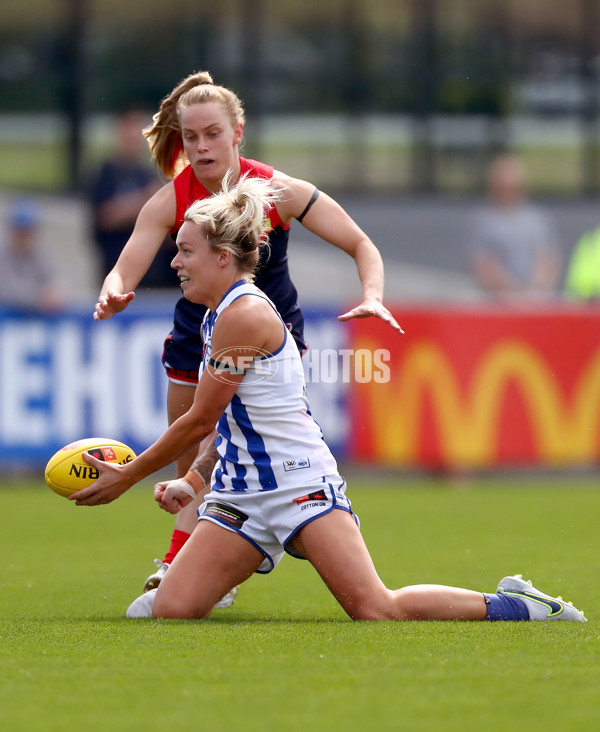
(226, 514)
(296, 464)
(311, 500)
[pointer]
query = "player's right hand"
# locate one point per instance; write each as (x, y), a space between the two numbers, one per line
(111, 303)
(173, 495)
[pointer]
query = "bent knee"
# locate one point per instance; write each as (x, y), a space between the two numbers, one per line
(370, 613)
(175, 608)
(380, 607)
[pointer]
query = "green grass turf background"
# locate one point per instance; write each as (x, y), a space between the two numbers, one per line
(285, 657)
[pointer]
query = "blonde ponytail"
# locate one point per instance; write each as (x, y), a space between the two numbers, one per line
(164, 134)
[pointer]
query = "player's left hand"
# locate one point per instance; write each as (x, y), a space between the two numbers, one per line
(111, 304)
(372, 309)
(173, 495)
(110, 484)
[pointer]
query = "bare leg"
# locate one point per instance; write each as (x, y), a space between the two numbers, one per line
(212, 562)
(335, 547)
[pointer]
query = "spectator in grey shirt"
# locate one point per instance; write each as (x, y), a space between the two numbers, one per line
(512, 244)
(26, 278)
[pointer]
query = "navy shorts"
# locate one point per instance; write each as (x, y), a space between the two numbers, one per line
(182, 352)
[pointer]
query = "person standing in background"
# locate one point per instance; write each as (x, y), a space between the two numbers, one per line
(119, 188)
(27, 281)
(512, 244)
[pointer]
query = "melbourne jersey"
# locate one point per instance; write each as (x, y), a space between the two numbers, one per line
(183, 347)
(267, 437)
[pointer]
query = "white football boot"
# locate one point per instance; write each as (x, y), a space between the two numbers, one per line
(141, 607)
(227, 600)
(539, 605)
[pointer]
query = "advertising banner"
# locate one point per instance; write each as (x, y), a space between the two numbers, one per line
(481, 388)
(465, 387)
(67, 377)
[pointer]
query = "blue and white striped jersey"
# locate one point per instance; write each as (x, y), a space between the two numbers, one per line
(267, 437)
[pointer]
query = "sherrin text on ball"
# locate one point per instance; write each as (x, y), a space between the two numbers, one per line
(67, 472)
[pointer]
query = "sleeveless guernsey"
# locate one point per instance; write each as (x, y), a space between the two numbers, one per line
(267, 436)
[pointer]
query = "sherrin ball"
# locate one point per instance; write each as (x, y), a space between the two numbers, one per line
(67, 472)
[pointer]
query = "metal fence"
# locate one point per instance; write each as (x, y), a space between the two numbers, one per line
(407, 95)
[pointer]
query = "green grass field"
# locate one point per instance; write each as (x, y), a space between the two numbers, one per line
(285, 657)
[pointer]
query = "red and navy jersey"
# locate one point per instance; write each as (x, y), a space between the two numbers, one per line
(189, 189)
(183, 348)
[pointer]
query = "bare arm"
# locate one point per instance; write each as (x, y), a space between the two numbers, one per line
(204, 464)
(253, 324)
(496, 279)
(492, 275)
(328, 220)
(211, 398)
(122, 209)
(154, 222)
(547, 271)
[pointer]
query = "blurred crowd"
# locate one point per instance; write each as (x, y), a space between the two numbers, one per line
(511, 244)
(114, 194)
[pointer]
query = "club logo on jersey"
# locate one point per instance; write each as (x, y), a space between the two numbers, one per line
(226, 514)
(316, 496)
(296, 464)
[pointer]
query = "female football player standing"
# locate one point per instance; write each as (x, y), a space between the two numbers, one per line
(194, 139)
(252, 387)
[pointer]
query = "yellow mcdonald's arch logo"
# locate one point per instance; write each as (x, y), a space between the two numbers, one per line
(565, 429)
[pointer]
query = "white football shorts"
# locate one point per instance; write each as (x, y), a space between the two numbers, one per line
(270, 519)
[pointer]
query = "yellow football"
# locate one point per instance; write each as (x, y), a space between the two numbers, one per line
(67, 471)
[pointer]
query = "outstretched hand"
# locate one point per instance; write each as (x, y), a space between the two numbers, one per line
(111, 303)
(372, 309)
(110, 484)
(173, 495)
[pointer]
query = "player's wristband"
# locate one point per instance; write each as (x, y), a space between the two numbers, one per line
(195, 480)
